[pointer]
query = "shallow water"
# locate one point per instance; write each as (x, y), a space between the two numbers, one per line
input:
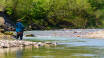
(68, 47)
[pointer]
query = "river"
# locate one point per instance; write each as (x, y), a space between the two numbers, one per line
(67, 47)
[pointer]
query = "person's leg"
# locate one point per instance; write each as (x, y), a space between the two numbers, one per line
(17, 36)
(21, 36)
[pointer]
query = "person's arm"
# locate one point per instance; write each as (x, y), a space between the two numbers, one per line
(22, 26)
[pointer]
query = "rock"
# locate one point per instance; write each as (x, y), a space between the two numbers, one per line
(30, 35)
(18, 43)
(2, 30)
(50, 44)
(34, 43)
(40, 44)
(55, 43)
(2, 45)
(46, 45)
(36, 46)
(75, 32)
(78, 35)
(2, 21)
(8, 33)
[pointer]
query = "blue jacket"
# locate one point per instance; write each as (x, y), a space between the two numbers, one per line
(19, 27)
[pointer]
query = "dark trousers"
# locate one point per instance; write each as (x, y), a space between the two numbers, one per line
(19, 35)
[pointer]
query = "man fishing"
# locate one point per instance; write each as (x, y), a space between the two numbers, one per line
(19, 29)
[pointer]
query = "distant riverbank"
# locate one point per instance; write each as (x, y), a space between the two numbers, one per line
(96, 34)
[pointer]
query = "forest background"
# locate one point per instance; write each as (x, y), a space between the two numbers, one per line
(56, 14)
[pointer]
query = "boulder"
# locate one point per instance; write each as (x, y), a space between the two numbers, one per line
(2, 21)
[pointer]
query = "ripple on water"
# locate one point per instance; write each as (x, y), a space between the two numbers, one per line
(92, 55)
(43, 56)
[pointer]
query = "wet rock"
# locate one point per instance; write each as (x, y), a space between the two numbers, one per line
(50, 44)
(78, 35)
(36, 46)
(30, 35)
(75, 32)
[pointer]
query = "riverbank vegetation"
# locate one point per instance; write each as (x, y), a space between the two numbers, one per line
(56, 14)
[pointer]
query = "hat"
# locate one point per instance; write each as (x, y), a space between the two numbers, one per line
(19, 20)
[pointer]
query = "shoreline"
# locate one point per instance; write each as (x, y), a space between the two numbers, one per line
(97, 34)
(22, 43)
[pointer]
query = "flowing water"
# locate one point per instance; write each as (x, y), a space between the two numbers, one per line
(68, 46)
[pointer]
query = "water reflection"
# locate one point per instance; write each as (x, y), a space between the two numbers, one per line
(19, 53)
(13, 52)
(61, 51)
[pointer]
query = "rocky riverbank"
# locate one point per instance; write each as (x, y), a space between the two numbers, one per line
(21, 43)
(6, 35)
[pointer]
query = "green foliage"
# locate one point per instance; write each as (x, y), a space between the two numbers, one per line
(9, 11)
(57, 13)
